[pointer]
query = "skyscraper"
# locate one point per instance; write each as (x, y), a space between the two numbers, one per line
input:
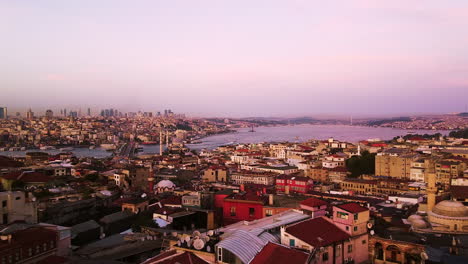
(30, 114)
(89, 111)
(49, 113)
(3, 112)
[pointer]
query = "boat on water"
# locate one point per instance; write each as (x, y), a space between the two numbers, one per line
(92, 147)
(109, 147)
(67, 149)
(47, 148)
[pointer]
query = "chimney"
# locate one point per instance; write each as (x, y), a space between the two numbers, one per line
(270, 199)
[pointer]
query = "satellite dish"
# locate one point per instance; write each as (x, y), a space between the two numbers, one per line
(369, 225)
(322, 249)
(196, 233)
(143, 195)
(208, 249)
(210, 233)
(372, 232)
(198, 244)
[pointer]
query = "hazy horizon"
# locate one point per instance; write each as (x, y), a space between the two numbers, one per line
(238, 58)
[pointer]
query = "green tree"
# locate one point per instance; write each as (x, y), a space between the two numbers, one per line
(359, 165)
(91, 177)
(143, 219)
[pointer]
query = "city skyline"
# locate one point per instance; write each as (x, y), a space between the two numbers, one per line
(275, 58)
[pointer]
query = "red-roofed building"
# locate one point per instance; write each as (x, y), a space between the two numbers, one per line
(314, 207)
(273, 253)
(244, 206)
(341, 239)
(293, 184)
(28, 245)
(29, 178)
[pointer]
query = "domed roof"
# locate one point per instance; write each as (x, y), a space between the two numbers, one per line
(419, 223)
(165, 184)
(450, 209)
(413, 218)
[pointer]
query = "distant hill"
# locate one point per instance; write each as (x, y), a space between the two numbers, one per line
(389, 120)
(465, 114)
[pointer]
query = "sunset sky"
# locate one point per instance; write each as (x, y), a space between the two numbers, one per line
(236, 58)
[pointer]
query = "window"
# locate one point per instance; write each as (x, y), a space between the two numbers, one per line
(18, 198)
(251, 211)
(350, 248)
(220, 254)
(233, 211)
(269, 212)
(355, 228)
(364, 242)
(342, 215)
(356, 216)
(325, 256)
(347, 228)
(292, 242)
(4, 203)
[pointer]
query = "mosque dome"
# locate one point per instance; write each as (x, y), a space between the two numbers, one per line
(165, 184)
(450, 209)
(419, 223)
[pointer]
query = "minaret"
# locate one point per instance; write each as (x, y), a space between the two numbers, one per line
(167, 139)
(160, 142)
(431, 191)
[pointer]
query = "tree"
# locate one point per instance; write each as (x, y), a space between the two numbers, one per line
(144, 219)
(359, 165)
(462, 133)
(91, 177)
(17, 184)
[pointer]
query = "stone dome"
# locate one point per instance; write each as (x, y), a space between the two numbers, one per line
(413, 218)
(419, 223)
(165, 184)
(450, 209)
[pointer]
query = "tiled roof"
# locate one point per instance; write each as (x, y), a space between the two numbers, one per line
(317, 232)
(313, 202)
(352, 207)
(274, 253)
(459, 192)
(27, 176)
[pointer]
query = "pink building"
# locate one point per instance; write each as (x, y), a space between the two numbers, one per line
(314, 207)
(340, 240)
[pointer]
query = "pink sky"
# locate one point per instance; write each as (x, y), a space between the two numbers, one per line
(236, 57)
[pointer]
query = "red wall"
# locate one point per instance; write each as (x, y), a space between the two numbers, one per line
(242, 211)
